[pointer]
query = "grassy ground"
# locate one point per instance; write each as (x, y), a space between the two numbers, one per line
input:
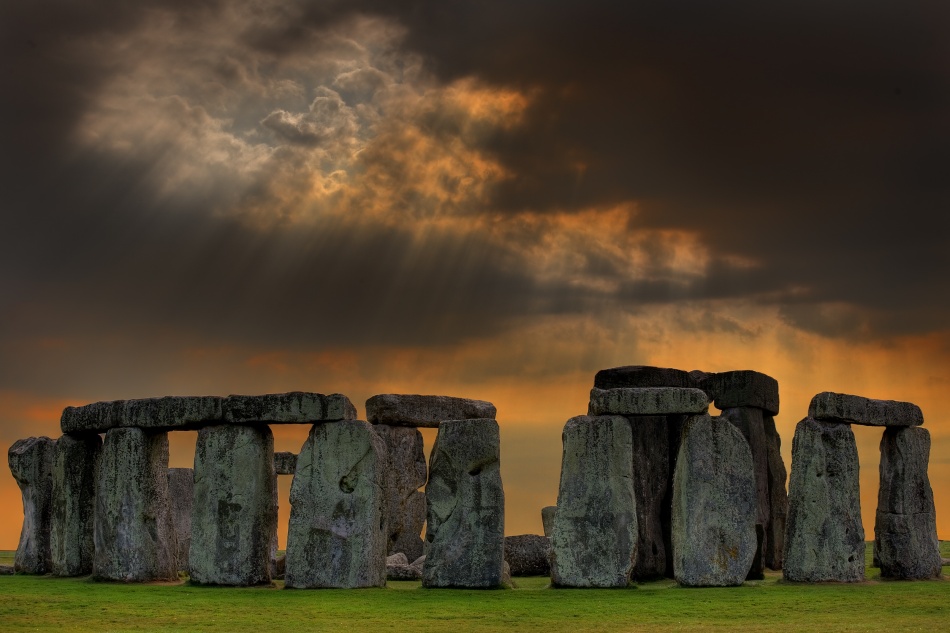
(78, 604)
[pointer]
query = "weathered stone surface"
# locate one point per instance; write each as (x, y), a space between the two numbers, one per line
(295, 407)
(134, 533)
(279, 567)
(646, 401)
(643, 376)
(337, 532)
(528, 555)
(74, 495)
(714, 495)
(595, 531)
(31, 463)
(547, 519)
(742, 388)
(398, 568)
(7, 570)
(674, 424)
(181, 493)
(405, 473)
(234, 516)
(842, 407)
(465, 518)
(424, 411)
(285, 463)
(824, 537)
(774, 544)
(159, 414)
(905, 529)
(651, 479)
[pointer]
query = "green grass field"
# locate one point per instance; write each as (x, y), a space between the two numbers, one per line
(78, 604)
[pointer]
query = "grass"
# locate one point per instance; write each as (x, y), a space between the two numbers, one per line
(78, 604)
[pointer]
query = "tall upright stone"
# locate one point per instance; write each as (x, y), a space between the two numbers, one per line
(465, 499)
(31, 463)
(594, 543)
(714, 501)
(905, 530)
(133, 529)
(651, 476)
(75, 460)
(405, 503)
(181, 493)
(774, 546)
(824, 536)
(337, 532)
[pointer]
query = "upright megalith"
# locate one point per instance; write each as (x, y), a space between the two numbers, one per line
(337, 532)
(75, 460)
(774, 535)
(905, 529)
(651, 483)
(31, 463)
(235, 506)
(824, 536)
(465, 500)
(406, 473)
(594, 543)
(181, 493)
(714, 501)
(424, 411)
(133, 529)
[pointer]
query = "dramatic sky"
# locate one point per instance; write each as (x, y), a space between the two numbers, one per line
(484, 199)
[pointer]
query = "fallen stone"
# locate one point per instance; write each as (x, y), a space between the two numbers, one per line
(643, 376)
(295, 407)
(403, 572)
(778, 498)
(824, 536)
(169, 413)
(419, 563)
(528, 555)
(714, 505)
(405, 503)
(397, 559)
(646, 401)
(134, 532)
(285, 463)
(7, 570)
(841, 407)
(181, 493)
(424, 411)
(595, 531)
(75, 458)
(742, 388)
(905, 529)
(945, 561)
(547, 519)
(651, 480)
(465, 519)
(337, 532)
(31, 463)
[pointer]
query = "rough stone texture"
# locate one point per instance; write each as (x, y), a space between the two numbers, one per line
(547, 519)
(465, 518)
(398, 568)
(279, 567)
(674, 427)
(75, 461)
(134, 532)
(643, 376)
(646, 401)
(337, 532)
(774, 543)
(651, 480)
(714, 495)
(405, 473)
(285, 463)
(528, 555)
(824, 537)
(595, 531)
(159, 414)
(905, 531)
(842, 407)
(31, 463)
(424, 411)
(295, 407)
(7, 570)
(181, 493)
(742, 388)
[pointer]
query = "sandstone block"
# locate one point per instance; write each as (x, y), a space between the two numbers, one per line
(181, 493)
(651, 480)
(778, 498)
(646, 401)
(75, 460)
(31, 463)
(285, 463)
(167, 413)
(742, 388)
(424, 411)
(405, 503)
(296, 407)
(547, 519)
(824, 536)
(842, 407)
(643, 376)
(528, 555)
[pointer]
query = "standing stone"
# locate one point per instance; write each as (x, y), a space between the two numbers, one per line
(465, 501)
(181, 493)
(824, 537)
(714, 505)
(134, 533)
(651, 473)
(75, 461)
(31, 462)
(424, 411)
(548, 513)
(528, 555)
(778, 497)
(595, 530)
(905, 530)
(337, 532)
(234, 517)
(405, 503)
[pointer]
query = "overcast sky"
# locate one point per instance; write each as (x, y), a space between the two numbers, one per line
(487, 199)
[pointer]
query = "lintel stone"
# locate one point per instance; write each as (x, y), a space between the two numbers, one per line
(647, 401)
(850, 409)
(424, 411)
(742, 388)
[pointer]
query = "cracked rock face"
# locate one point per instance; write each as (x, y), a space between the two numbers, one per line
(181, 493)
(31, 463)
(337, 532)
(594, 543)
(465, 499)
(406, 472)
(75, 460)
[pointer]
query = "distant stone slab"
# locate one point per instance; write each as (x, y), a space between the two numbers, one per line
(31, 463)
(295, 407)
(841, 407)
(647, 401)
(181, 493)
(424, 411)
(528, 555)
(285, 462)
(742, 388)
(75, 460)
(158, 414)
(547, 519)
(643, 376)
(7, 570)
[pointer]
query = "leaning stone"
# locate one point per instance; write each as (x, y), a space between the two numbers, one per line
(643, 376)
(778, 497)
(595, 531)
(406, 473)
(714, 536)
(337, 532)
(296, 407)
(841, 407)
(74, 495)
(824, 536)
(424, 411)
(742, 388)
(646, 401)
(31, 463)
(528, 555)
(168, 413)
(547, 519)
(181, 492)
(134, 532)
(651, 476)
(906, 527)
(465, 528)
(285, 463)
